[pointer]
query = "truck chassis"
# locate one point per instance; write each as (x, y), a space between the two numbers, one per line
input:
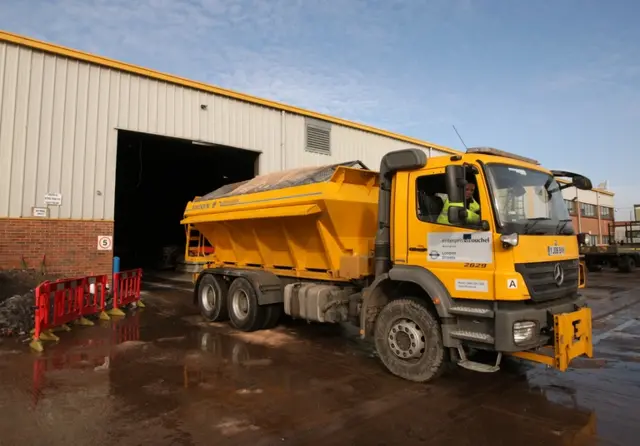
(623, 254)
(415, 338)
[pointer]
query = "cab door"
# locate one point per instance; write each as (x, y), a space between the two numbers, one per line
(462, 257)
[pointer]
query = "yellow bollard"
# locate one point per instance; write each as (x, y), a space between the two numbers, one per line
(84, 322)
(115, 311)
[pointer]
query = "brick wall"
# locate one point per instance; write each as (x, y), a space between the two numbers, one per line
(68, 246)
(591, 224)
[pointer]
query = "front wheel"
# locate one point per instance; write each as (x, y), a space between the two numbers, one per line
(408, 340)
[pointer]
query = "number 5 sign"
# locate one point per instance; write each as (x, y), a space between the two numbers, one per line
(105, 243)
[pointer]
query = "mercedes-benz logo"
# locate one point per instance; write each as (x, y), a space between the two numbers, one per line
(558, 274)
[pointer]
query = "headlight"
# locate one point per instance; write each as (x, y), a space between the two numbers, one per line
(524, 331)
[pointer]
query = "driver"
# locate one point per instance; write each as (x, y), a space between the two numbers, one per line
(473, 208)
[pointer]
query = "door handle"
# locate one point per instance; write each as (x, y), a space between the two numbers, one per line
(418, 248)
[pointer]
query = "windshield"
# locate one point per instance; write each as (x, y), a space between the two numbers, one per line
(528, 201)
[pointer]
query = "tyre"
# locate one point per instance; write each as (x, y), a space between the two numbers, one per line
(212, 298)
(244, 312)
(626, 264)
(274, 312)
(408, 339)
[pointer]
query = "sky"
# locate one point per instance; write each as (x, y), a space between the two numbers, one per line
(558, 81)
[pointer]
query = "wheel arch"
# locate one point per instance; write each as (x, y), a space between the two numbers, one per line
(403, 281)
(268, 286)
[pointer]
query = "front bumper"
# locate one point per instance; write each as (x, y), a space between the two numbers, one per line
(562, 329)
(543, 314)
(572, 339)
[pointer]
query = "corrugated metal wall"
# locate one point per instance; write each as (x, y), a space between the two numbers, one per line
(346, 144)
(59, 119)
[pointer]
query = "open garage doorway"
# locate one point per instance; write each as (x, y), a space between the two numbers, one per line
(155, 178)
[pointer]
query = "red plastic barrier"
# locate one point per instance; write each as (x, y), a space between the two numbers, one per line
(41, 311)
(68, 300)
(95, 289)
(126, 287)
(73, 299)
(66, 297)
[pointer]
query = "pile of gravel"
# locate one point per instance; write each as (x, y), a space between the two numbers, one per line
(16, 314)
(17, 300)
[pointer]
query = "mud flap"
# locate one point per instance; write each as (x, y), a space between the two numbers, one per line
(572, 338)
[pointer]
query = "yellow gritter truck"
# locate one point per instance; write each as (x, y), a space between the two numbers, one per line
(432, 258)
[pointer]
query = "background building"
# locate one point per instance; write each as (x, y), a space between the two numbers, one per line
(99, 157)
(592, 211)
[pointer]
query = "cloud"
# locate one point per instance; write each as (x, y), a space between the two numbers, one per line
(608, 66)
(327, 56)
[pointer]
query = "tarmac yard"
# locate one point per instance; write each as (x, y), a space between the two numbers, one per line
(163, 376)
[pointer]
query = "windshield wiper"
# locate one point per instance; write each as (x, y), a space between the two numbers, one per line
(561, 226)
(531, 222)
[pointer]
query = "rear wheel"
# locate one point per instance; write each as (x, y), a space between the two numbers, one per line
(212, 298)
(408, 340)
(244, 311)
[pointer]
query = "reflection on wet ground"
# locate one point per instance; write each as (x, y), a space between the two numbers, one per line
(162, 376)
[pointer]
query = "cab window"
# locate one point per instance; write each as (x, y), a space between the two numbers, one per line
(431, 195)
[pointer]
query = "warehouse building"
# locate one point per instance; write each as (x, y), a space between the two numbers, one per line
(99, 157)
(91, 148)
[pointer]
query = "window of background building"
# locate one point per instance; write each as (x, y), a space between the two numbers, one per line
(587, 210)
(605, 239)
(593, 240)
(606, 212)
(571, 206)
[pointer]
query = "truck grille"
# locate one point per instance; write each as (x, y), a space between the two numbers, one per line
(541, 279)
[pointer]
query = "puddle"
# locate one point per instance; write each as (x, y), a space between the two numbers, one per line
(159, 378)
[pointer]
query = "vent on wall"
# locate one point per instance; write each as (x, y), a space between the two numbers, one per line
(318, 136)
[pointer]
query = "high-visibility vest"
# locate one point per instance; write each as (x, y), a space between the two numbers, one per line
(473, 212)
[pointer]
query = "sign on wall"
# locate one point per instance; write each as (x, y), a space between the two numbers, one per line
(39, 212)
(53, 199)
(105, 243)
(472, 247)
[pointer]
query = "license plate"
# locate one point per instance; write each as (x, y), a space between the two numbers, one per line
(555, 250)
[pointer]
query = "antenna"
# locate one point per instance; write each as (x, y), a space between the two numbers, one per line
(461, 140)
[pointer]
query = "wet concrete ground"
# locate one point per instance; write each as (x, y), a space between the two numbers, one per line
(162, 376)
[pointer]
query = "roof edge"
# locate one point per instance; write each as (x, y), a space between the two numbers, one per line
(60, 50)
(594, 189)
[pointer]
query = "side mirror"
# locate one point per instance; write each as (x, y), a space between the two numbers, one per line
(455, 178)
(582, 183)
(582, 238)
(457, 215)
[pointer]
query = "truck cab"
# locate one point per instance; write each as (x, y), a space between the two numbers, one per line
(487, 237)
